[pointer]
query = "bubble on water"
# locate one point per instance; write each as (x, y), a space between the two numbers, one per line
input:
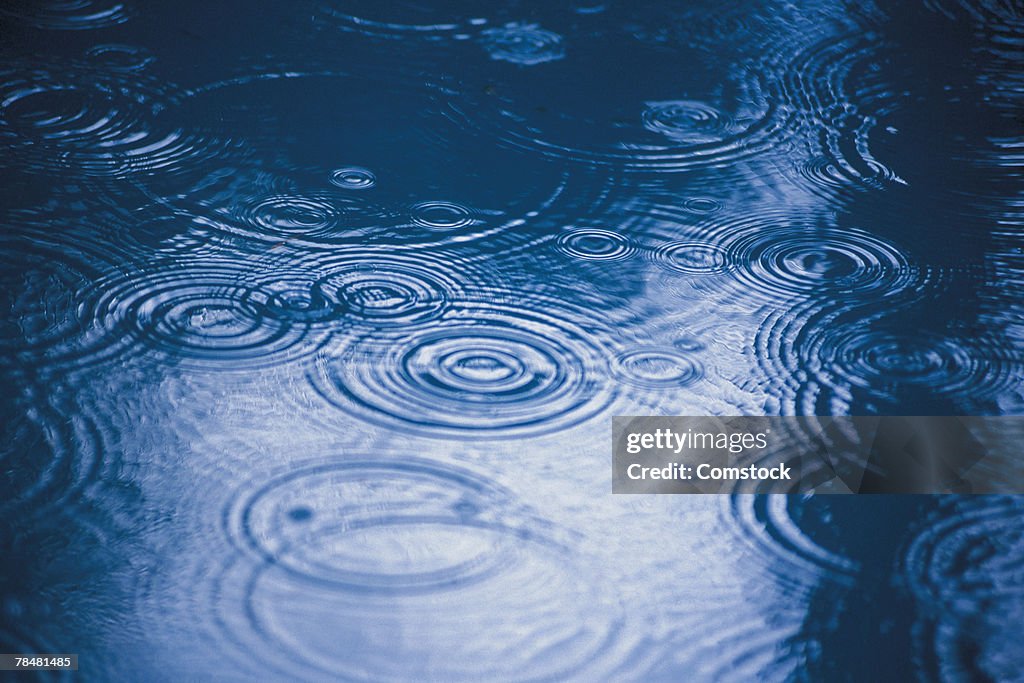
(525, 44)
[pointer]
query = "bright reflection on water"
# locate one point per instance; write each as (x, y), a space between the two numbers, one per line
(314, 319)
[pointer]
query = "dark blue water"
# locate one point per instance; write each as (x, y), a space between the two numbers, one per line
(314, 315)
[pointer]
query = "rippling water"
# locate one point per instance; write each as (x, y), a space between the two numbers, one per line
(314, 319)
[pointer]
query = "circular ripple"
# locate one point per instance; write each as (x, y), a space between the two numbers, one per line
(206, 317)
(891, 359)
(647, 117)
(973, 558)
(595, 244)
(657, 368)
(782, 261)
(409, 205)
(68, 14)
(363, 550)
(353, 178)
(438, 215)
(839, 88)
(688, 122)
(411, 526)
(692, 258)
(404, 19)
(522, 44)
(362, 287)
(773, 525)
(95, 124)
(479, 369)
(125, 58)
(47, 459)
(702, 205)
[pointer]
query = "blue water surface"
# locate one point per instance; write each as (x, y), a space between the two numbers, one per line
(314, 316)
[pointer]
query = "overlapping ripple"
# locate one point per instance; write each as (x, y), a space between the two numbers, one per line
(970, 557)
(48, 461)
(209, 317)
(886, 360)
(837, 88)
(95, 124)
(481, 368)
(366, 287)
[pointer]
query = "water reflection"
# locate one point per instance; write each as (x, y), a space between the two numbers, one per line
(313, 321)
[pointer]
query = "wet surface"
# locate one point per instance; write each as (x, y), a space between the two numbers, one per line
(314, 318)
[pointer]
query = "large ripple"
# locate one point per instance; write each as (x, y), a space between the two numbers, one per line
(484, 369)
(354, 555)
(96, 124)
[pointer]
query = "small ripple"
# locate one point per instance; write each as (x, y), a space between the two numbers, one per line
(595, 244)
(482, 369)
(525, 44)
(702, 205)
(691, 258)
(353, 178)
(68, 14)
(123, 58)
(407, 205)
(688, 122)
(657, 368)
(972, 558)
(404, 19)
(439, 215)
